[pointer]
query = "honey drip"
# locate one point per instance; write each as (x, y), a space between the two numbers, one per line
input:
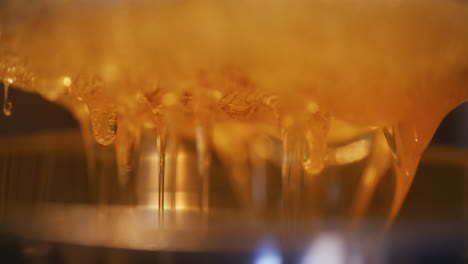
(104, 124)
(310, 74)
(161, 154)
(127, 145)
(379, 162)
(81, 115)
(292, 172)
(203, 147)
(7, 104)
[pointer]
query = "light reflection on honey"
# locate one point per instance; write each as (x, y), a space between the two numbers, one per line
(332, 83)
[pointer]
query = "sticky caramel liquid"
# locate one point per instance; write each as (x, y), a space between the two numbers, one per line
(322, 83)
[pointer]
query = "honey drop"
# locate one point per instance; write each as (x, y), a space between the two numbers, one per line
(7, 104)
(103, 123)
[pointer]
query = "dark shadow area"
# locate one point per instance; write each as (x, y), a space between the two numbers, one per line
(32, 113)
(453, 130)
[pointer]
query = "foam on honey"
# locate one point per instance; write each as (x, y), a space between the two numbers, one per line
(207, 69)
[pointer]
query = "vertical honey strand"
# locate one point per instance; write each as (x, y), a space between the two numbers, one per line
(7, 104)
(292, 173)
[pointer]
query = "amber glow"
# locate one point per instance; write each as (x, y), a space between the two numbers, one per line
(310, 74)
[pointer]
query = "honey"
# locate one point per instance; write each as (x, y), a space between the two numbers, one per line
(224, 73)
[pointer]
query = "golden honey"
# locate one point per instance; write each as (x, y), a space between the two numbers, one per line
(229, 74)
